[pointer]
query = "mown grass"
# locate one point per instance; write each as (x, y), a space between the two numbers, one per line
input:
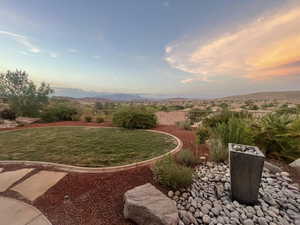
(83, 146)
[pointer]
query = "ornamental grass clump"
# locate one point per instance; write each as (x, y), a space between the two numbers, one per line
(235, 130)
(217, 150)
(187, 158)
(170, 174)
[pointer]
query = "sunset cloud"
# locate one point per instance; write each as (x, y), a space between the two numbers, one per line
(266, 47)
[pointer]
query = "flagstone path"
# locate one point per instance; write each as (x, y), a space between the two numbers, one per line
(31, 187)
(15, 212)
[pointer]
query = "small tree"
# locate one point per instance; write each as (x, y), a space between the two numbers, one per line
(24, 97)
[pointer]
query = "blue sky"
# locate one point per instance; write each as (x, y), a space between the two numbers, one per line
(178, 48)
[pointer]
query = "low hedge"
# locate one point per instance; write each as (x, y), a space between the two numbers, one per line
(134, 118)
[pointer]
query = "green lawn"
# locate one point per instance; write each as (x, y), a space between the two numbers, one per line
(83, 146)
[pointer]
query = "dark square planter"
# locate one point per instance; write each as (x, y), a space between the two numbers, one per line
(246, 166)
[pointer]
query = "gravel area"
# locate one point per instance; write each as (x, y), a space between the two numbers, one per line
(208, 201)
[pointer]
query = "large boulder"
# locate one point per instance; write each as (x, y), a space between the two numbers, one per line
(296, 165)
(146, 205)
(27, 120)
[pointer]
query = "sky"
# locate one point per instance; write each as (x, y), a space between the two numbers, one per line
(192, 48)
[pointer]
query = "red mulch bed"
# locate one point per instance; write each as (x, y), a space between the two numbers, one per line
(97, 199)
(91, 199)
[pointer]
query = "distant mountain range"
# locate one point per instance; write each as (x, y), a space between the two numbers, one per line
(79, 93)
(293, 96)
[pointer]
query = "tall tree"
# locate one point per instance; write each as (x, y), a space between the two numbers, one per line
(24, 97)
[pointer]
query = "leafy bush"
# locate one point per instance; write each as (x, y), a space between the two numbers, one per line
(99, 119)
(8, 114)
(59, 112)
(234, 131)
(279, 137)
(223, 117)
(187, 158)
(88, 118)
(196, 115)
(134, 118)
(75, 117)
(175, 107)
(168, 173)
(202, 135)
(218, 151)
(186, 125)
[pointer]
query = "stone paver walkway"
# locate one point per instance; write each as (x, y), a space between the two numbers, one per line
(9, 178)
(14, 212)
(38, 184)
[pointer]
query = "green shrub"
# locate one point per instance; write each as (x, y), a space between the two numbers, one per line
(202, 135)
(234, 131)
(279, 137)
(218, 151)
(295, 125)
(196, 115)
(187, 158)
(88, 118)
(75, 117)
(186, 125)
(59, 112)
(223, 117)
(8, 114)
(134, 118)
(99, 119)
(168, 173)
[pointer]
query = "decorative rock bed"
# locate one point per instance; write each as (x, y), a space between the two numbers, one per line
(208, 200)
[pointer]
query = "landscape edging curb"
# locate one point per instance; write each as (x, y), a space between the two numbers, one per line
(79, 169)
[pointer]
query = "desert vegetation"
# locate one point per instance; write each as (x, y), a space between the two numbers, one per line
(278, 136)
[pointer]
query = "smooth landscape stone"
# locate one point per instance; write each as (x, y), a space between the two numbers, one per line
(146, 205)
(38, 184)
(14, 212)
(27, 120)
(273, 168)
(278, 201)
(296, 165)
(9, 178)
(1, 169)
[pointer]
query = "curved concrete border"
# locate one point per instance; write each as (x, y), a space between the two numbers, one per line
(80, 169)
